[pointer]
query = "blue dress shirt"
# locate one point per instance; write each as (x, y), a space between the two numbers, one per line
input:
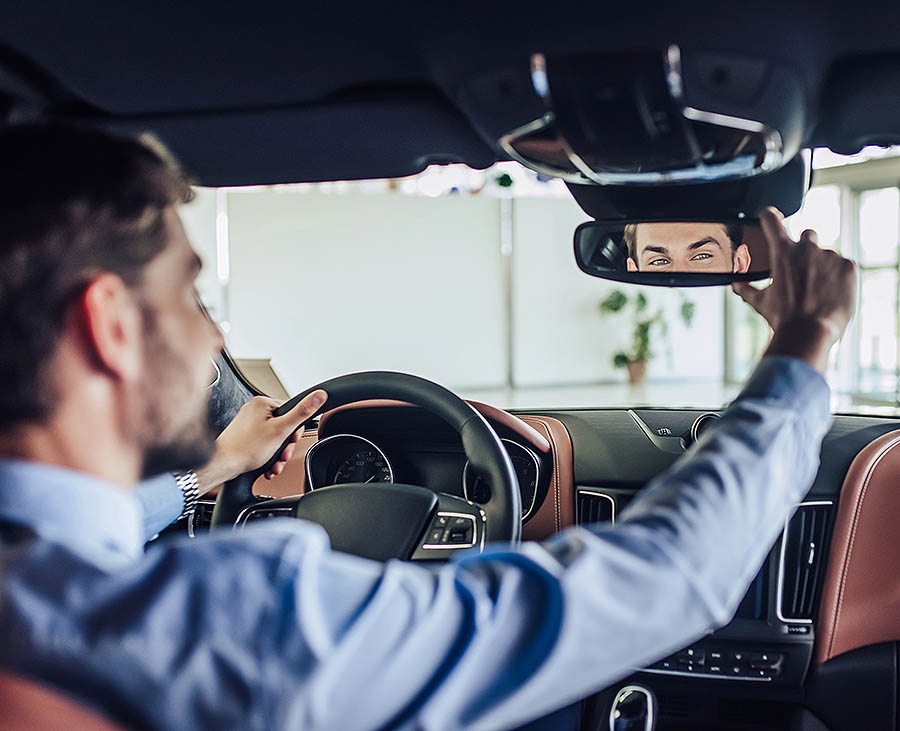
(268, 628)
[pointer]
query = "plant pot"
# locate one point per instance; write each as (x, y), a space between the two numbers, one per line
(637, 372)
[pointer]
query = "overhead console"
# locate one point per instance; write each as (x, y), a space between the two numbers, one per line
(642, 117)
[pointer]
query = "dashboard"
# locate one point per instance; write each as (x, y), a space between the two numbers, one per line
(585, 466)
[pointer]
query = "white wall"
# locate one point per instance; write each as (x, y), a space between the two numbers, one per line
(329, 284)
(560, 335)
(326, 283)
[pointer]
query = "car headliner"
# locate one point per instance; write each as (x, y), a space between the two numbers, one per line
(276, 92)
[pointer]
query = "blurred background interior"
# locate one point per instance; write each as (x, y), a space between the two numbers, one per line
(444, 274)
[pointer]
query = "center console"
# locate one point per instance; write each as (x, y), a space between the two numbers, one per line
(769, 642)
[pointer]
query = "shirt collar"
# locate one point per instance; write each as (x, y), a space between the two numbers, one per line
(84, 513)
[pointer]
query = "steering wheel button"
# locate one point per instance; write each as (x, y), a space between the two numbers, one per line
(460, 523)
(441, 521)
(436, 536)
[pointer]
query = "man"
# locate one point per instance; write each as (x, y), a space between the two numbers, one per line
(686, 247)
(104, 374)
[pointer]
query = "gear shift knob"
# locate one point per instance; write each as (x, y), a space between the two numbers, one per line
(633, 709)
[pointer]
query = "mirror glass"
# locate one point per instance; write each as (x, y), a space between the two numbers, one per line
(673, 252)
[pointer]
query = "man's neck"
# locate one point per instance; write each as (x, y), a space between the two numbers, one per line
(82, 444)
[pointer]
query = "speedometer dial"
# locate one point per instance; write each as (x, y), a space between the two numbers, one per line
(527, 467)
(366, 465)
(346, 458)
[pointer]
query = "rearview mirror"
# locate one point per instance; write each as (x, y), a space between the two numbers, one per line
(673, 253)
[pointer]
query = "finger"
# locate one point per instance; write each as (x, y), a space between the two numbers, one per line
(305, 409)
(287, 453)
(747, 292)
(772, 222)
(811, 236)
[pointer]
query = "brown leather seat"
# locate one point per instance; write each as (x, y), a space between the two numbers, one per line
(28, 706)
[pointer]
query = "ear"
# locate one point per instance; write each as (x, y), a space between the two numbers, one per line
(742, 259)
(630, 265)
(113, 326)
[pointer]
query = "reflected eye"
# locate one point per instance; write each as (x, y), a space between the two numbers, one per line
(660, 262)
(701, 256)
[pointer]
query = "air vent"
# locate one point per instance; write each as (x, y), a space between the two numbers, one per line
(802, 561)
(595, 507)
(202, 517)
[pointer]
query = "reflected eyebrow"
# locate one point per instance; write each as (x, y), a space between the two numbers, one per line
(657, 249)
(703, 242)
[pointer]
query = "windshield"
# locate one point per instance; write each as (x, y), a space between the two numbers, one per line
(468, 278)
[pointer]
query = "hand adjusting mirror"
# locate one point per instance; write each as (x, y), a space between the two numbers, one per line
(673, 253)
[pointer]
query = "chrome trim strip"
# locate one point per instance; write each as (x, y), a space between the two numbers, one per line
(244, 515)
(455, 546)
(314, 448)
(779, 595)
(650, 722)
(705, 676)
(537, 479)
(612, 501)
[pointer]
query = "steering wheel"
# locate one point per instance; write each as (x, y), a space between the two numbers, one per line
(390, 520)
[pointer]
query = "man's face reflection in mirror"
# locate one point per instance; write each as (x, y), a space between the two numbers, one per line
(687, 247)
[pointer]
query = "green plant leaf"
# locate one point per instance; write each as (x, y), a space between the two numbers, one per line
(614, 302)
(640, 303)
(620, 360)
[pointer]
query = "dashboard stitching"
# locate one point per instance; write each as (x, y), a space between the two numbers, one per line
(555, 453)
(857, 513)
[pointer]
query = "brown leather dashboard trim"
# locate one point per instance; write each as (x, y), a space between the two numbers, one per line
(860, 602)
(558, 509)
(518, 426)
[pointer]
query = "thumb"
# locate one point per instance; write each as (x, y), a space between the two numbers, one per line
(304, 409)
(747, 292)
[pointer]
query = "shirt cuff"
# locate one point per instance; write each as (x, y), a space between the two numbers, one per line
(161, 503)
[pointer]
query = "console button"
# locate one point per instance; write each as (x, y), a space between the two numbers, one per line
(692, 657)
(458, 535)
(716, 656)
(765, 659)
(735, 670)
(715, 669)
(737, 658)
(666, 665)
(761, 673)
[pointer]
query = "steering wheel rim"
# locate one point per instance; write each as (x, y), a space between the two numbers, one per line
(481, 444)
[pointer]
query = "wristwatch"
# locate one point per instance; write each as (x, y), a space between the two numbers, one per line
(189, 485)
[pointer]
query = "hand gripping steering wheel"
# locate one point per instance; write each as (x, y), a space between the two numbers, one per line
(390, 520)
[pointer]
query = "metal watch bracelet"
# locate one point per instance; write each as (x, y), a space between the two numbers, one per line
(189, 485)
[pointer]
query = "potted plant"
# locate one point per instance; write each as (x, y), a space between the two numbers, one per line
(635, 359)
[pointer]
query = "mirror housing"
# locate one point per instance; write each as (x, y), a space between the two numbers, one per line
(667, 253)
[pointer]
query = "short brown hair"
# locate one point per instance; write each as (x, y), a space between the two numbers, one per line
(74, 203)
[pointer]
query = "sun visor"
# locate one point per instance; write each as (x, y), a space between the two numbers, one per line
(783, 189)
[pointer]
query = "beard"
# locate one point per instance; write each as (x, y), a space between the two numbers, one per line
(173, 439)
